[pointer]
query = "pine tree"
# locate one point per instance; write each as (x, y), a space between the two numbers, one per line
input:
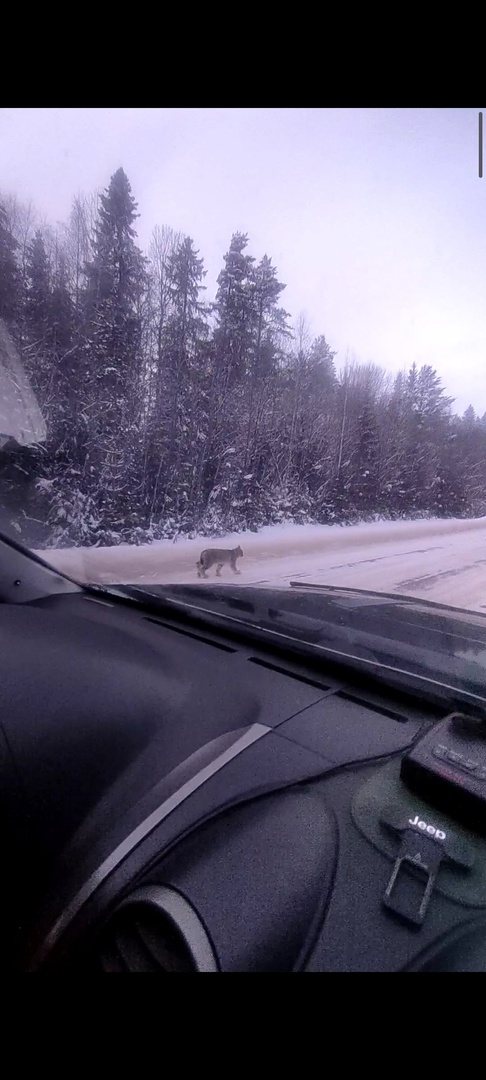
(234, 308)
(186, 272)
(164, 242)
(270, 320)
(78, 251)
(184, 335)
(37, 349)
(61, 310)
(227, 359)
(367, 455)
(270, 330)
(38, 294)
(428, 396)
(469, 417)
(394, 427)
(427, 425)
(115, 282)
(321, 362)
(9, 273)
(65, 357)
(308, 383)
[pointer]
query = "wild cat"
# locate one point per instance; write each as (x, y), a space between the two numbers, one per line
(220, 556)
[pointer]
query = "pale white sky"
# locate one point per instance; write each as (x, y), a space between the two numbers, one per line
(375, 218)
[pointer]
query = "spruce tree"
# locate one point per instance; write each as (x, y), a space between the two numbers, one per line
(9, 273)
(184, 335)
(270, 320)
(112, 345)
(38, 294)
(234, 308)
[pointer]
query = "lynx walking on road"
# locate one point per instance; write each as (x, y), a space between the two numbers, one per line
(220, 556)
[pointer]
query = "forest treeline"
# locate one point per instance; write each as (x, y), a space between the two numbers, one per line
(171, 412)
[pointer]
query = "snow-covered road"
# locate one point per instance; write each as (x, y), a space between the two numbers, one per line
(442, 560)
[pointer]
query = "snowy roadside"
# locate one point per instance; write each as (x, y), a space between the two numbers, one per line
(438, 559)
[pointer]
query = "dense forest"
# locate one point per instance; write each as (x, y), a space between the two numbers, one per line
(170, 413)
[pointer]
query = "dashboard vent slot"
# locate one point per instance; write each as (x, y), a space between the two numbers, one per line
(290, 673)
(155, 930)
(191, 634)
(369, 702)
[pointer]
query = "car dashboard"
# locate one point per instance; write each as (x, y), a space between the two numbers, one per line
(175, 800)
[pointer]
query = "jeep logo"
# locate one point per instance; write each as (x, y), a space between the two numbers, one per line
(438, 834)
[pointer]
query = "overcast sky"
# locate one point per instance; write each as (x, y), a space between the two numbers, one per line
(375, 218)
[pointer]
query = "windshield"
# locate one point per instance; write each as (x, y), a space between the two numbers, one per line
(246, 347)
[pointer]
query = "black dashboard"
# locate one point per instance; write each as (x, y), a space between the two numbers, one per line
(175, 800)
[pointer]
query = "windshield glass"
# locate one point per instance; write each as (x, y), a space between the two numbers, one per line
(247, 346)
